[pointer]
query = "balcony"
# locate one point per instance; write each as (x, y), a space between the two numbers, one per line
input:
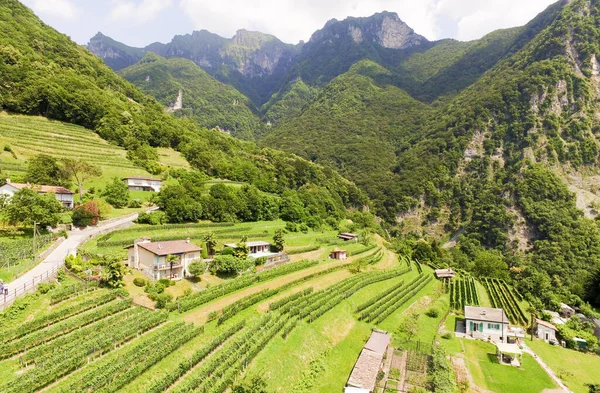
(168, 266)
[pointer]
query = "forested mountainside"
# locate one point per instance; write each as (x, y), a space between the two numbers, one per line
(42, 72)
(188, 91)
(252, 62)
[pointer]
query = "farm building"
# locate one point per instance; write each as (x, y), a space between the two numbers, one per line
(364, 375)
(510, 354)
(141, 183)
(484, 323)
(346, 236)
(62, 194)
(339, 254)
(151, 257)
(545, 330)
(444, 273)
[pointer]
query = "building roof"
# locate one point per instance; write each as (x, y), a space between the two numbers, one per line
(512, 349)
(486, 314)
(378, 342)
(141, 178)
(42, 189)
(338, 250)
(444, 273)
(347, 235)
(364, 374)
(351, 389)
(249, 244)
(169, 247)
(546, 324)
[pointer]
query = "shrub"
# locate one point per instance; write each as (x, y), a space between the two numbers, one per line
(139, 282)
(154, 218)
(46, 287)
(116, 193)
(197, 268)
(303, 228)
(291, 227)
(135, 203)
(166, 282)
(86, 214)
(162, 300)
(228, 251)
(433, 313)
(448, 336)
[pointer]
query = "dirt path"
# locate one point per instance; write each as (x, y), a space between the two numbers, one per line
(548, 370)
(402, 384)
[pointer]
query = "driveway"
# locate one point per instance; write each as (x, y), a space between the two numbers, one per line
(48, 267)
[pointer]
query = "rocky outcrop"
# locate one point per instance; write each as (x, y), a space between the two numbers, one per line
(115, 54)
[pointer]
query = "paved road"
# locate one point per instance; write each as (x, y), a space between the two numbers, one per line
(47, 267)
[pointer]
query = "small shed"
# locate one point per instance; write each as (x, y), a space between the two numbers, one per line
(581, 343)
(346, 236)
(339, 254)
(545, 330)
(444, 273)
(509, 354)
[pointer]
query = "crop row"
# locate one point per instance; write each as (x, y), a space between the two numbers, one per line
(17, 251)
(74, 355)
(10, 348)
(382, 309)
(502, 297)
(380, 297)
(226, 363)
(363, 250)
(171, 377)
(35, 351)
(195, 231)
(114, 371)
(60, 314)
(463, 292)
(371, 259)
(419, 267)
(302, 250)
(282, 302)
(216, 291)
(242, 304)
(69, 291)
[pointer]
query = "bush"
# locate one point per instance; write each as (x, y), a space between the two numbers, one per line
(139, 282)
(166, 282)
(303, 228)
(162, 300)
(197, 268)
(116, 193)
(135, 203)
(433, 313)
(46, 287)
(291, 227)
(86, 214)
(154, 218)
(448, 336)
(228, 251)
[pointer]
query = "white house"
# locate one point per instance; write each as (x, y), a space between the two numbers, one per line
(545, 331)
(62, 194)
(151, 257)
(483, 322)
(140, 183)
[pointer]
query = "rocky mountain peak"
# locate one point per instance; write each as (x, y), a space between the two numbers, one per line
(384, 28)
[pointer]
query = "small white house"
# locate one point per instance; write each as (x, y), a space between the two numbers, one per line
(61, 194)
(483, 322)
(545, 330)
(140, 183)
(257, 248)
(151, 257)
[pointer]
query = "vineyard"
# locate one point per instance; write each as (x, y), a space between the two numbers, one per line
(463, 292)
(506, 297)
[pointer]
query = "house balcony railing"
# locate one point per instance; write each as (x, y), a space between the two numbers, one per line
(168, 266)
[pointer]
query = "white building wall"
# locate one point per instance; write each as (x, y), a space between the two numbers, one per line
(545, 333)
(486, 328)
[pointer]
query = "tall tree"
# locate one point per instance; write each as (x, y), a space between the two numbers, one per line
(211, 243)
(27, 207)
(46, 170)
(172, 260)
(116, 193)
(81, 171)
(279, 240)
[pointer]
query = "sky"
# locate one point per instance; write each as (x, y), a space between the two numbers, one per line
(141, 22)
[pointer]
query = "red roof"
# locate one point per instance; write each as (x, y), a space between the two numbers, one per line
(42, 189)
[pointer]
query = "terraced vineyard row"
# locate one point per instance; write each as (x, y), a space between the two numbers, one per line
(463, 292)
(381, 307)
(503, 296)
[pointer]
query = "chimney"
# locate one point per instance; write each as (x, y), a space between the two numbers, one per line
(187, 240)
(8, 180)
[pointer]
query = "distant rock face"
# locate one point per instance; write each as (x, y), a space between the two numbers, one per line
(385, 29)
(114, 54)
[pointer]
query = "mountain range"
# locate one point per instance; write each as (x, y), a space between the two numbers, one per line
(486, 152)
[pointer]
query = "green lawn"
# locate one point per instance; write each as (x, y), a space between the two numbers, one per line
(489, 374)
(574, 368)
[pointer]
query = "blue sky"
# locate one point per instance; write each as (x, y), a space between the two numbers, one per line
(141, 22)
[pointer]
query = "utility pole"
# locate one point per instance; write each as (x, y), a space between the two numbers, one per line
(34, 242)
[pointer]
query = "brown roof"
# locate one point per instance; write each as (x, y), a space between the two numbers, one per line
(444, 273)
(364, 374)
(486, 314)
(141, 178)
(546, 324)
(42, 189)
(170, 247)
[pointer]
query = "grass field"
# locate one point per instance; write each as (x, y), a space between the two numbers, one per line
(574, 368)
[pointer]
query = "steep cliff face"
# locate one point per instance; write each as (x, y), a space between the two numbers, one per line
(115, 54)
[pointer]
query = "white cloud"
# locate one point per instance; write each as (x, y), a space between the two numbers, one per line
(65, 9)
(138, 12)
(294, 20)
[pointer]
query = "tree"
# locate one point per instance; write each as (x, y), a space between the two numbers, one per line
(27, 207)
(197, 268)
(113, 272)
(211, 243)
(409, 327)
(229, 264)
(365, 236)
(80, 170)
(490, 263)
(172, 260)
(116, 193)
(254, 384)
(44, 169)
(178, 205)
(86, 214)
(278, 240)
(242, 250)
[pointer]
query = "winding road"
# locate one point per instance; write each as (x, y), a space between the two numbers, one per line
(53, 261)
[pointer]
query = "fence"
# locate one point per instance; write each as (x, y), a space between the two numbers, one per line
(8, 296)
